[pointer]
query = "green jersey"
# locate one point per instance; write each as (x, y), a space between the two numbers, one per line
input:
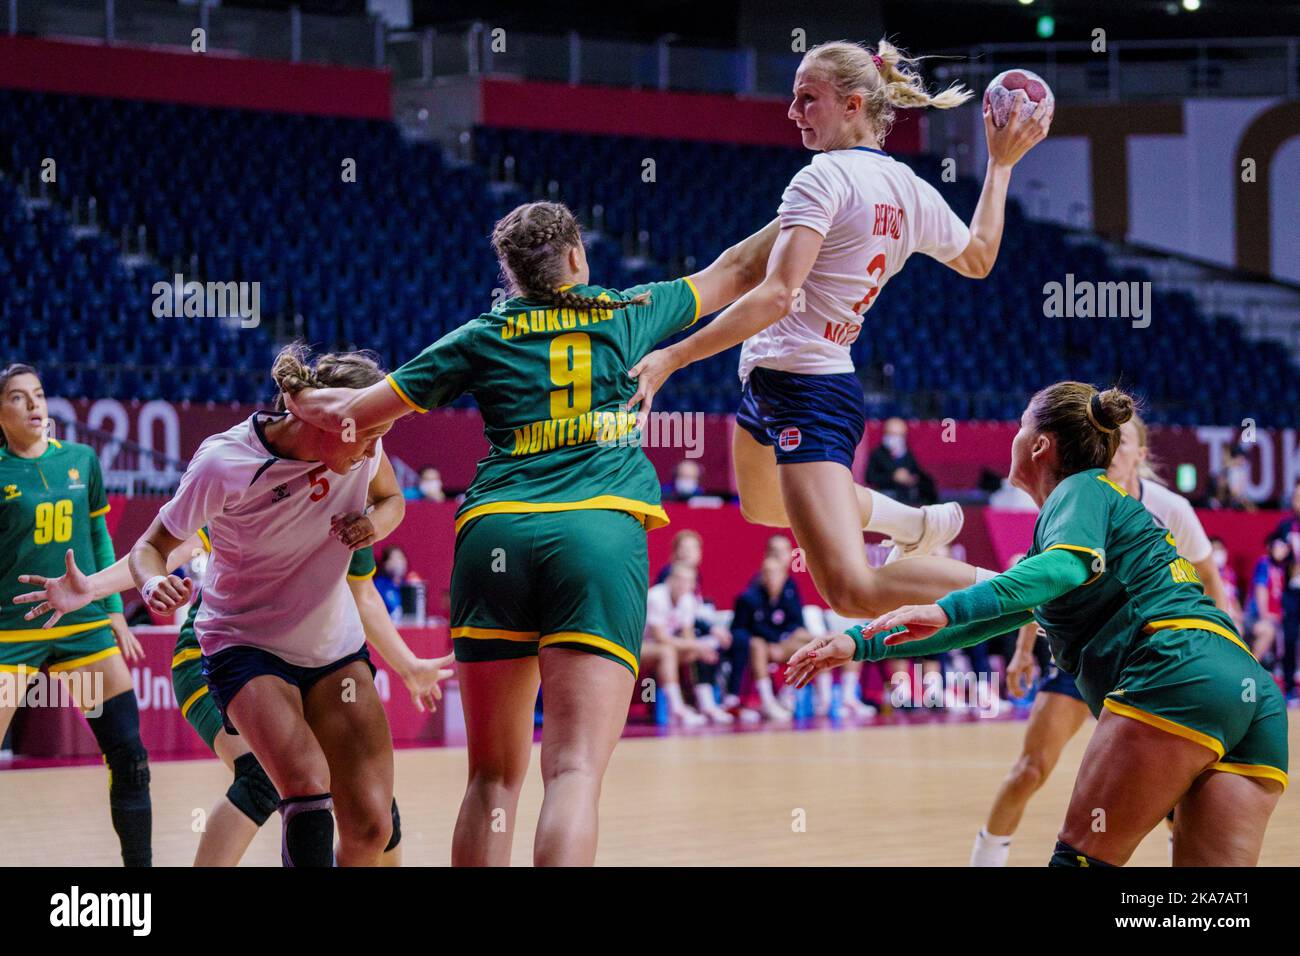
(1138, 582)
(551, 385)
(46, 507)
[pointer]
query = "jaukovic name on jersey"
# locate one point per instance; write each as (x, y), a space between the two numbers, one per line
(602, 427)
(552, 320)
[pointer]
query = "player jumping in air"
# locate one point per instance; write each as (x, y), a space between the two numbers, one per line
(52, 500)
(849, 221)
(550, 572)
(1186, 715)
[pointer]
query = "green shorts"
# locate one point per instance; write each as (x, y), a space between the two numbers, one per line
(61, 650)
(196, 704)
(574, 579)
(1199, 681)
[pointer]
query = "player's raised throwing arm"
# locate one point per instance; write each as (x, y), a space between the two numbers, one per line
(1007, 146)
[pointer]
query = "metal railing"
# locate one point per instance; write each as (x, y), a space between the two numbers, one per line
(1124, 69)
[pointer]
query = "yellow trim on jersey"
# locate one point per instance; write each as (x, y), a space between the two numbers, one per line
(49, 633)
(1105, 480)
(187, 655)
(102, 511)
(695, 292)
(1195, 624)
(1165, 724)
(18, 669)
(591, 640)
(653, 516)
(190, 701)
(83, 661)
(402, 395)
(207, 542)
(55, 442)
(495, 634)
(363, 577)
(1084, 550)
(1253, 770)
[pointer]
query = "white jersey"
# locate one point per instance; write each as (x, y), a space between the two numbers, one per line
(277, 579)
(1175, 514)
(674, 618)
(874, 212)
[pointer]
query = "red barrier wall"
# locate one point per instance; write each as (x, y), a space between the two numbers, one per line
(90, 68)
(762, 121)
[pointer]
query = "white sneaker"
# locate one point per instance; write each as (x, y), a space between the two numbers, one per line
(719, 716)
(942, 524)
(775, 712)
(858, 708)
(730, 702)
(689, 718)
(748, 715)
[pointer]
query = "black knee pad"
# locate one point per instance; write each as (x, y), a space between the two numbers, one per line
(1067, 855)
(308, 834)
(117, 731)
(396, 838)
(253, 792)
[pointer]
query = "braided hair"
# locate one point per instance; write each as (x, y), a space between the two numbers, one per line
(531, 242)
(294, 370)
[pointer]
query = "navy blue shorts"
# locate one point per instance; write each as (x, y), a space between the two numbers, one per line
(804, 417)
(1057, 681)
(228, 671)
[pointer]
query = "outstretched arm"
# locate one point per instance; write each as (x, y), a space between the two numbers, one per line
(736, 271)
(337, 409)
(1006, 148)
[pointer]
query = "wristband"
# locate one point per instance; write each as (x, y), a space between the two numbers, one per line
(150, 586)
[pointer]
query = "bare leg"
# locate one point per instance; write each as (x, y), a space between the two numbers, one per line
(1055, 719)
(1222, 819)
(498, 698)
(824, 512)
(1132, 776)
(348, 719)
(586, 708)
(228, 831)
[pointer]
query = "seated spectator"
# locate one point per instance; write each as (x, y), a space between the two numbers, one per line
(670, 643)
(686, 482)
(893, 470)
(1228, 487)
(429, 487)
(688, 549)
(780, 548)
(392, 574)
(771, 622)
(1263, 617)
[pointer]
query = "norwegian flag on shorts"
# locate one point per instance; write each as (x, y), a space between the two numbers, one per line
(789, 439)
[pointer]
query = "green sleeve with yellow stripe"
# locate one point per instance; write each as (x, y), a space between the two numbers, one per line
(362, 565)
(950, 638)
(673, 306)
(441, 373)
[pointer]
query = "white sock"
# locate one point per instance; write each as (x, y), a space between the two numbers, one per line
(674, 694)
(764, 687)
(900, 522)
(850, 684)
(990, 850)
(704, 698)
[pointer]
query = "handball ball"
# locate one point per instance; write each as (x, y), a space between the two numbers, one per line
(1000, 95)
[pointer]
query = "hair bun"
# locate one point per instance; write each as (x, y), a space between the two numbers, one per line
(1111, 408)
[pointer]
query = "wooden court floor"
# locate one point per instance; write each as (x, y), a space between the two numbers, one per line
(870, 796)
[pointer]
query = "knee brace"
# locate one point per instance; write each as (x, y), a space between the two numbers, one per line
(396, 838)
(1067, 855)
(253, 793)
(117, 731)
(308, 833)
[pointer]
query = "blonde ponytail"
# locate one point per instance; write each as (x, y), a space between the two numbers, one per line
(886, 79)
